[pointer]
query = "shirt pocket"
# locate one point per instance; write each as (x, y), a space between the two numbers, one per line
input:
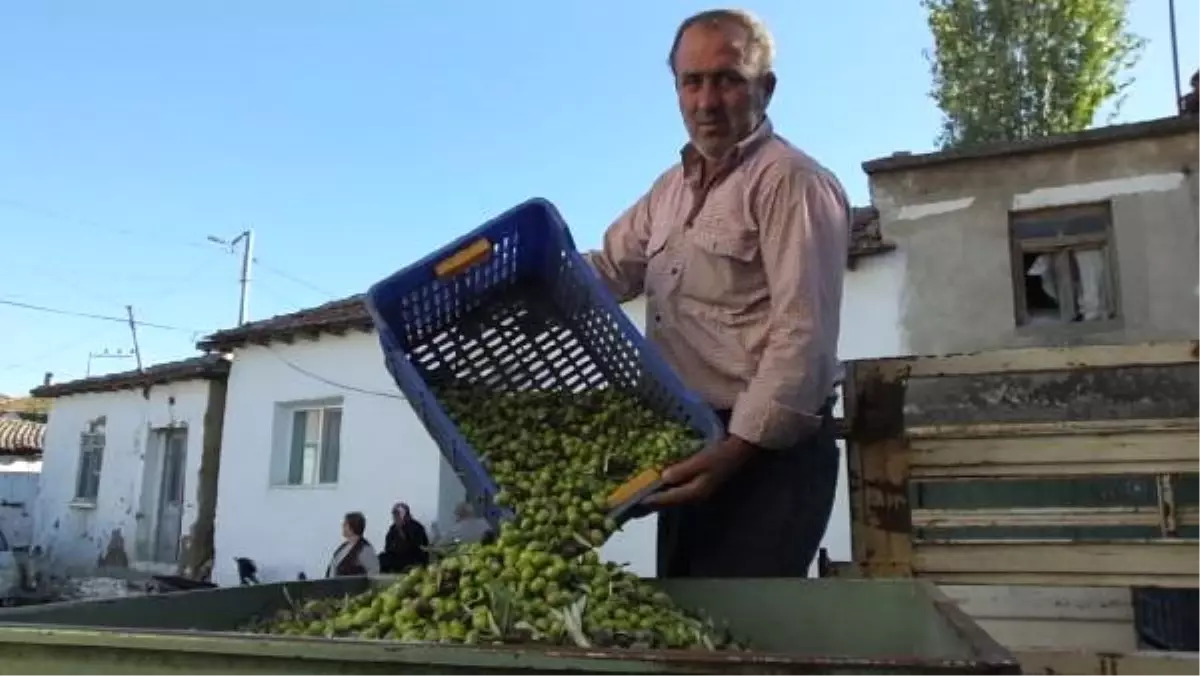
(740, 245)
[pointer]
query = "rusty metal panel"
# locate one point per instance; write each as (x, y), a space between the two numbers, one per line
(1123, 393)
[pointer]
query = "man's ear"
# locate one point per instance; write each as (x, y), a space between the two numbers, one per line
(767, 83)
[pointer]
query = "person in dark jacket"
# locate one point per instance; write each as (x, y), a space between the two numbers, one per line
(355, 556)
(405, 542)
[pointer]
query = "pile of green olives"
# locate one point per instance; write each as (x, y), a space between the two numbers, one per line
(556, 457)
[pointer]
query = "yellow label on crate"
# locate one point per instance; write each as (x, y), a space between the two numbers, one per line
(632, 487)
(475, 252)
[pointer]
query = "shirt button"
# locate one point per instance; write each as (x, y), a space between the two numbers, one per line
(674, 271)
(657, 318)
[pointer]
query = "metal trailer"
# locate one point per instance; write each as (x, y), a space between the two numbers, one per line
(794, 626)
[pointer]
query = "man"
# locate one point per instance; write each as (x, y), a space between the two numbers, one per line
(739, 250)
(1191, 102)
(467, 527)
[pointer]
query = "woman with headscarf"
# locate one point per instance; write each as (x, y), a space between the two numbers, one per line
(355, 556)
(405, 543)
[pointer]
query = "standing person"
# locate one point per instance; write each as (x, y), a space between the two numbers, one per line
(467, 527)
(355, 556)
(405, 542)
(739, 249)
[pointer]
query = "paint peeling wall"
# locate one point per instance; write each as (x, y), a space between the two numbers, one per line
(18, 494)
(75, 535)
(951, 222)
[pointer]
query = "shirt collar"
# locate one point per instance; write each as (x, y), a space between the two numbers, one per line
(693, 161)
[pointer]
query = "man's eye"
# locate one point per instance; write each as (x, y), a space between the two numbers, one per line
(730, 79)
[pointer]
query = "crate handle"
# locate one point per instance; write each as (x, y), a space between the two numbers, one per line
(476, 252)
(643, 483)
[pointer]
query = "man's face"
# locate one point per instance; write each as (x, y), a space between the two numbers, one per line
(721, 100)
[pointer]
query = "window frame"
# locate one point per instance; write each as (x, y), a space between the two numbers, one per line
(290, 449)
(1058, 245)
(91, 444)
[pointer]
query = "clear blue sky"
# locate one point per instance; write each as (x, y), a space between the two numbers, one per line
(355, 140)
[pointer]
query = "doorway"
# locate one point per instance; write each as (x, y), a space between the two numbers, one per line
(164, 486)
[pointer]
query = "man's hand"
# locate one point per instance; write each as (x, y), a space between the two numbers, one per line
(698, 477)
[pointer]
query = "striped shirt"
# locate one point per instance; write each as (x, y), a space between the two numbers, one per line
(742, 271)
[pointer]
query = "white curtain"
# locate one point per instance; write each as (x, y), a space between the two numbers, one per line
(1090, 277)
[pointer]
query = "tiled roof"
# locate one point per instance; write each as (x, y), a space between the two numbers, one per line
(21, 437)
(350, 314)
(339, 316)
(23, 405)
(208, 366)
(865, 237)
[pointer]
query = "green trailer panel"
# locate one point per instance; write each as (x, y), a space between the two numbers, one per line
(794, 626)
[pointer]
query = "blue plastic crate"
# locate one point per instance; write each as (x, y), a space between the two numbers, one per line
(514, 306)
(1166, 619)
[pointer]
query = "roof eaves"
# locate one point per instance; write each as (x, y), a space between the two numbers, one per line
(1166, 126)
(206, 367)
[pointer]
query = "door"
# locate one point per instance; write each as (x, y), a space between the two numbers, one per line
(169, 519)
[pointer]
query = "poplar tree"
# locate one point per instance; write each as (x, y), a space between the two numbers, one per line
(1006, 70)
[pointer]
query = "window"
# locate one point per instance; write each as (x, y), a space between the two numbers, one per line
(91, 456)
(1063, 269)
(314, 445)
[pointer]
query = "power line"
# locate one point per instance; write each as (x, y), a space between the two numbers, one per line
(152, 236)
(89, 315)
(96, 225)
(292, 278)
(300, 369)
(184, 284)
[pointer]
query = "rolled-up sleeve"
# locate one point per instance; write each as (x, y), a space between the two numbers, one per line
(621, 262)
(803, 221)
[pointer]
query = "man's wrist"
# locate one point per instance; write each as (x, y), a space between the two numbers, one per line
(739, 447)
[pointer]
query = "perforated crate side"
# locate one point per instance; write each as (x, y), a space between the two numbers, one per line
(533, 315)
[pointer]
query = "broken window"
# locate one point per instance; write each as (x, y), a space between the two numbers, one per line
(1062, 265)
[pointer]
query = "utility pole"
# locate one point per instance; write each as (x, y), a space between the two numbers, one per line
(246, 239)
(137, 350)
(1175, 55)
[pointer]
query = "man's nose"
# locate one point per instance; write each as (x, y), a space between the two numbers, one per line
(709, 95)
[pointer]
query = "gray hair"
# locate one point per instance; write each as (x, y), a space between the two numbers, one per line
(760, 46)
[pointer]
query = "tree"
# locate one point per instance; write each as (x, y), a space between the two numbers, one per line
(1005, 70)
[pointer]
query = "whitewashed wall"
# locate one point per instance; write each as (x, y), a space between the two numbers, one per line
(75, 535)
(385, 456)
(18, 494)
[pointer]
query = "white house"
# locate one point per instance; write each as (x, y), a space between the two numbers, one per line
(129, 467)
(315, 428)
(20, 465)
